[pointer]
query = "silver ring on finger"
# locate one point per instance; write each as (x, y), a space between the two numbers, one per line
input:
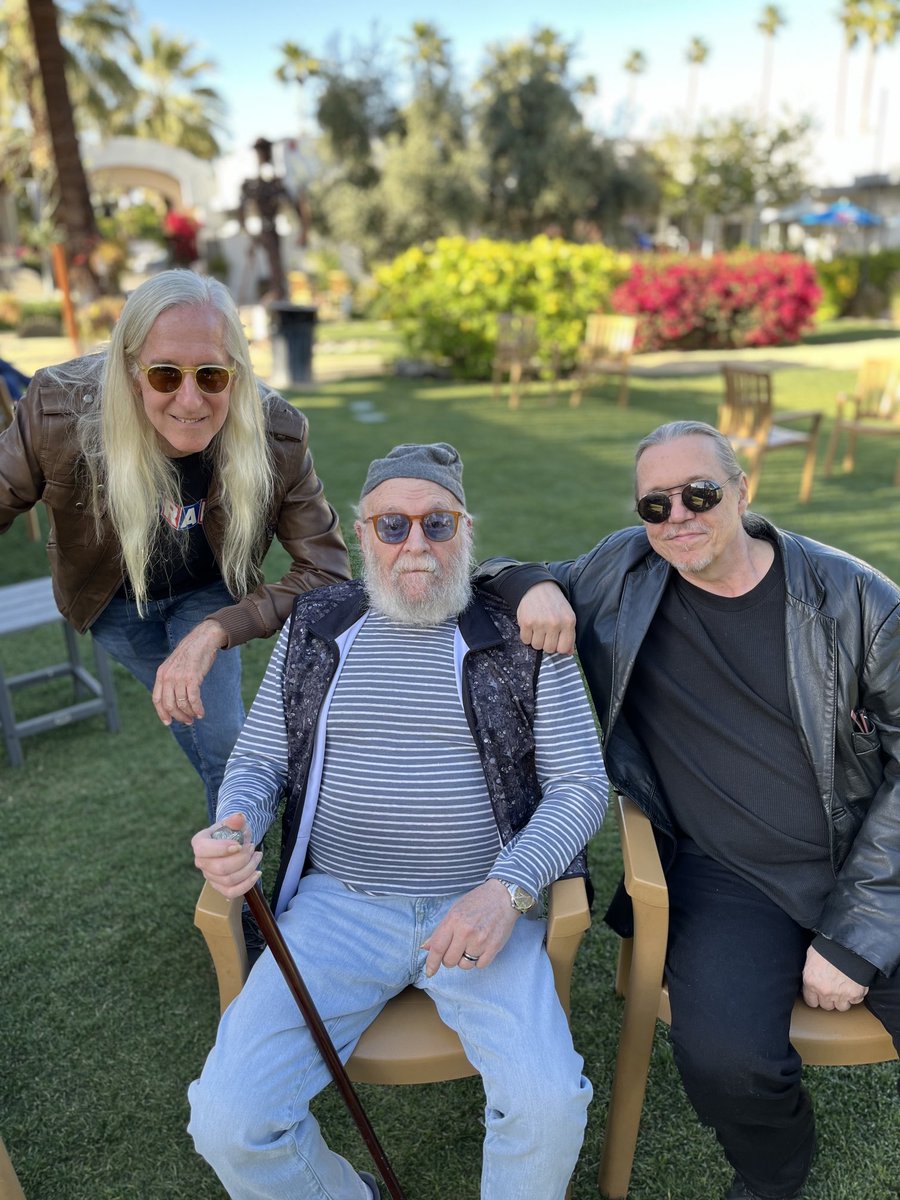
(472, 958)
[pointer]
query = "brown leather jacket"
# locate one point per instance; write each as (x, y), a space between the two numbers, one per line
(40, 460)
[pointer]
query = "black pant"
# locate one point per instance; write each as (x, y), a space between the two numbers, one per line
(734, 968)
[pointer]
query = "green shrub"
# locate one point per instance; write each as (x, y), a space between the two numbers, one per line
(445, 297)
(40, 318)
(858, 285)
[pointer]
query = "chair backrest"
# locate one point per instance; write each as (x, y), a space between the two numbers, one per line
(747, 409)
(609, 335)
(516, 338)
(877, 394)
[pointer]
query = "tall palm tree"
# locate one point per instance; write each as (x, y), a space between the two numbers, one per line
(635, 64)
(768, 25)
(174, 106)
(74, 213)
(298, 66)
(879, 21)
(849, 17)
(697, 54)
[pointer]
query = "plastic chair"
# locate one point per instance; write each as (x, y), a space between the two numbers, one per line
(407, 1042)
(10, 1188)
(821, 1038)
(514, 353)
(606, 350)
(872, 409)
(747, 419)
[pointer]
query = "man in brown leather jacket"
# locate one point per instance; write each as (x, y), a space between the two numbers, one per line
(167, 468)
(747, 681)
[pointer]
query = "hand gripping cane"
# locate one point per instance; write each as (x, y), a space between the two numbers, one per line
(265, 919)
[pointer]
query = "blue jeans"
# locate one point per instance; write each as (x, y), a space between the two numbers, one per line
(250, 1114)
(141, 645)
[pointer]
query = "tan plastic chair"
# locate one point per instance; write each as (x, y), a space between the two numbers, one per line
(10, 1188)
(872, 409)
(407, 1042)
(514, 354)
(821, 1038)
(747, 419)
(606, 350)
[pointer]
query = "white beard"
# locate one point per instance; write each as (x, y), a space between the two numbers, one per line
(448, 590)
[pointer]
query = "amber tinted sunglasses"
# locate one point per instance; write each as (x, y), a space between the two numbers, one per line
(168, 378)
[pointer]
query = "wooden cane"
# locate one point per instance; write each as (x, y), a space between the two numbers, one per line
(265, 919)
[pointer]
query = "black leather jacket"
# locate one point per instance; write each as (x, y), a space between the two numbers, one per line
(842, 621)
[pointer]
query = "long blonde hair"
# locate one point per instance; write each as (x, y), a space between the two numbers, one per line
(129, 473)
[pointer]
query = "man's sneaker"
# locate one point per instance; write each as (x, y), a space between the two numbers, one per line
(371, 1183)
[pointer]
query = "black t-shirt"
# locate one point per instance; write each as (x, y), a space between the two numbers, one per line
(709, 700)
(182, 559)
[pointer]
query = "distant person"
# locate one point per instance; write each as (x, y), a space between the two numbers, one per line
(747, 681)
(266, 195)
(181, 229)
(439, 775)
(167, 469)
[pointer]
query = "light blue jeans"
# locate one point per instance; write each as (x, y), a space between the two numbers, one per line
(250, 1114)
(141, 645)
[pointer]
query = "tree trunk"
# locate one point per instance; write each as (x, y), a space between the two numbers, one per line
(74, 214)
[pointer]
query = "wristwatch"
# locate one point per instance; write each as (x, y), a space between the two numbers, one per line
(521, 900)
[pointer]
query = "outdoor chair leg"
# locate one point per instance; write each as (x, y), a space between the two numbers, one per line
(623, 391)
(810, 464)
(850, 455)
(515, 381)
(831, 451)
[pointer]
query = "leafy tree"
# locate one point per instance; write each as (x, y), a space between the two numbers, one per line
(768, 25)
(635, 65)
(731, 164)
(298, 66)
(173, 105)
(542, 162)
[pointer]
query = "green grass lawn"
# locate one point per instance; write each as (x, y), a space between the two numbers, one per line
(109, 1003)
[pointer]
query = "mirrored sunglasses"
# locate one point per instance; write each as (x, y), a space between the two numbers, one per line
(393, 528)
(698, 497)
(168, 378)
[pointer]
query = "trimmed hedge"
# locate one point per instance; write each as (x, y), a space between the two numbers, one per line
(729, 300)
(445, 297)
(859, 285)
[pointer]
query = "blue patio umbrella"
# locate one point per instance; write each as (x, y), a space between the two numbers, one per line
(840, 214)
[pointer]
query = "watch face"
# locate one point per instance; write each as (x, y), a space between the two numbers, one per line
(521, 899)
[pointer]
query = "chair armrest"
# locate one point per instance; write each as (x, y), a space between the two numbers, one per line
(644, 878)
(568, 916)
(219, 920)
(786, 418)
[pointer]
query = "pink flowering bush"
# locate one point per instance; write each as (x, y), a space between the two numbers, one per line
(730, 300)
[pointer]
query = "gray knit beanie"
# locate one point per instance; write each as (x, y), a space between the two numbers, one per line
(438, 462)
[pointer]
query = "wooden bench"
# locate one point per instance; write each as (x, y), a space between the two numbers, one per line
(27, 606)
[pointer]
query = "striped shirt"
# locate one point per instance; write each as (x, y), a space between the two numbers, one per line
(403, 807)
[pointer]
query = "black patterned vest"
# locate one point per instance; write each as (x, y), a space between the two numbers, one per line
(499, 690)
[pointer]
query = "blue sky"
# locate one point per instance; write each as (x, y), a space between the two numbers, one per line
(242, 38)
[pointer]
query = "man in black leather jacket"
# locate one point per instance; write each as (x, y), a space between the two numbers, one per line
(747, 681)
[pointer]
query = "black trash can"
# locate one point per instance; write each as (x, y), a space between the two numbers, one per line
(292, 328)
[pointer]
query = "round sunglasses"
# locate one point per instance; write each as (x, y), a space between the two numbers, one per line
(167, 378)
(393, 528)
(698, 497)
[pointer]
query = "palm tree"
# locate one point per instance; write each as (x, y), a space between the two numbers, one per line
(879, 20)
(768, 25)
(74, 214)
(635, 64)
(173, 106)
(298, 66)
(697, 54)
(849, 17)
